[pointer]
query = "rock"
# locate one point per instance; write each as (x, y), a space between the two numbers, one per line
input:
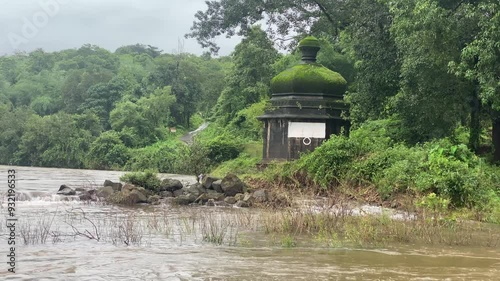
(211, 202)
(208, 181)
(89, 195)
(195, 189)
(131, 187)
(66, 190)
(242, 204)
(154, 200)
(217, 186)
(184, 199)
(138, 196)
(230, 200)
(179, 192)
(128, 187)
(117, 186)
(212, 194)
(129, 197)
(239, 196)
(169, 200)
(166, 194)
(105, 191)
(232, 185)
(170, 185)
(248, 189)
(261, 196)
(80, 189)
(209, 196)
(248, 198)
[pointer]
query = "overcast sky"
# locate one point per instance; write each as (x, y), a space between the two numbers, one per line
(54, 25)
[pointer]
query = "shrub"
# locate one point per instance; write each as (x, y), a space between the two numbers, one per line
(244, 164)
(164, 157)
(148, 179)
(221, 149)
(372, 158)
(107, 152)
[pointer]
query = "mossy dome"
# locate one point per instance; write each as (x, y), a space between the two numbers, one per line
(309, 76)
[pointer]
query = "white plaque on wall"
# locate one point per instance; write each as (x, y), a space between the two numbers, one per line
(306, 130)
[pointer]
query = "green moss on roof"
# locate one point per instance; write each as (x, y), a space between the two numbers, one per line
(309, 41)
(309, 78)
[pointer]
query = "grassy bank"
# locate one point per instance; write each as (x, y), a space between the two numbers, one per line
(372, 166)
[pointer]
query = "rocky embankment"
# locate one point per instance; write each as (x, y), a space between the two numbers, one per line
(228, 191)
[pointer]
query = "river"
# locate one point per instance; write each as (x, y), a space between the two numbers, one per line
(166, 243)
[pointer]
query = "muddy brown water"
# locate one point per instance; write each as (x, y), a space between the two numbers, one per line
(176, 255)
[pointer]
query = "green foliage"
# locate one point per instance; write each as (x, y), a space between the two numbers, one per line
(249, 80)
(196, 121)
(241, 166)
(107, 152)
(245, 124)
(54, 141)
(370, 157)
(221, 149)
(165, 157)
(148, 179)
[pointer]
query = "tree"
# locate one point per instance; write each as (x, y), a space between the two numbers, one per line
(53, 141)
(233, 17)
(102, 97)
(368, 41)
(139, 49)
(13, 123)
(107, 152)
(76, 87)
(250, 76)
(479, 61)
(431, 101)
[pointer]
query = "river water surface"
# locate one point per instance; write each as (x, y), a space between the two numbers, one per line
(177, 251)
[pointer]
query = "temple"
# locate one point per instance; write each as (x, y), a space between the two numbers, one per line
(307, 106)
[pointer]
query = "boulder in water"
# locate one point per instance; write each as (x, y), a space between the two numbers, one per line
(242, 204)
(184, 199)
(230, 200)
(170, 185)
(105, 192)
(232, 185)
(89, 195)
(208, 182)
(217, 186)
(66, 190)
(195, 189)
(117, 186)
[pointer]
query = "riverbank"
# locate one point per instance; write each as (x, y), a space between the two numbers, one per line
(333, 218)
(168, 242)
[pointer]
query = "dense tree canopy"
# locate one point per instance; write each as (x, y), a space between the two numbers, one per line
(431, 65)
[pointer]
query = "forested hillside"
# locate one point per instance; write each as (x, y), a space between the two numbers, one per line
(90, 108)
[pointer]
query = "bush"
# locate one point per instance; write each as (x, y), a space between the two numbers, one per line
(164, 157)
(107, 152)
(148, 179)
(196, 121)
(221, 149)
(371, 158)
(244, 164)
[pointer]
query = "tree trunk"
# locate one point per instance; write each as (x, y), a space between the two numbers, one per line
(475, 120)
(496, 139)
